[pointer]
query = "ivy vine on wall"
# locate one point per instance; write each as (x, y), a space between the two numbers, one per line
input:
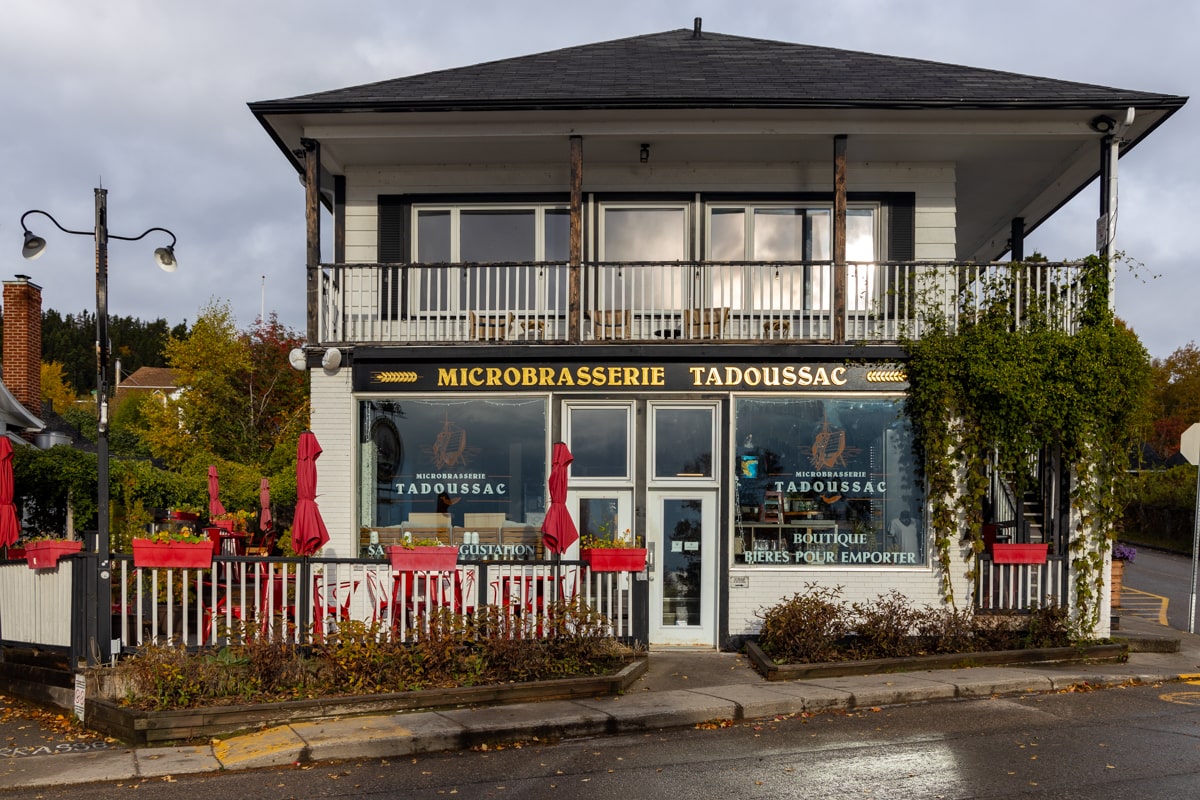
(1007, 382)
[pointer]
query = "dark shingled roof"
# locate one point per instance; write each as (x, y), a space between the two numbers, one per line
(675, 69)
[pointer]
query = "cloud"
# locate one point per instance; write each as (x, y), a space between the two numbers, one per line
(150, 98)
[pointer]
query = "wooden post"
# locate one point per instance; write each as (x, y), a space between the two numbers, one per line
(839, 238)
(575, 281)
(1016, 239)
(312, 221)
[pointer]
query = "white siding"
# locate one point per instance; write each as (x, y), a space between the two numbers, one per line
(933, 185)
(768, 587)
(333, 422)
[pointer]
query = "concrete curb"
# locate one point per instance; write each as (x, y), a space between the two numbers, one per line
(395, 735)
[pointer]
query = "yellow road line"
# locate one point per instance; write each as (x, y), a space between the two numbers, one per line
(1145, 601)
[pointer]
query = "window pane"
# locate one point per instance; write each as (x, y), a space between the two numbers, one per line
(489, 236)
(819, 235)
(600, 442)
(683, 443)
(598, 517)
(778, 234)
(558, 234)
(433, 237)
(432, 287)
(826, 482)
(860, 246)
(644, 234)
(819, 281)
(557, 247)
(727, 235)
(453, 457)
(500, 235)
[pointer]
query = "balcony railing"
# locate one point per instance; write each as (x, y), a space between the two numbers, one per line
(680, 301)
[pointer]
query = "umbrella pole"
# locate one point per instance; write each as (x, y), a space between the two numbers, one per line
(303, 595)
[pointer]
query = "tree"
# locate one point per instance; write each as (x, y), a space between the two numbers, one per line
(1176, 397)
(240, 401)
(55, 388)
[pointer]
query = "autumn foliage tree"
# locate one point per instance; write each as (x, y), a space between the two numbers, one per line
(1176, 397)
(240, 402)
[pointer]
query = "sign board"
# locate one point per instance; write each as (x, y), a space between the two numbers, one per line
(1189, 443)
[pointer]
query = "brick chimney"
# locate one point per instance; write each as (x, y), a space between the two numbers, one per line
(23, 342)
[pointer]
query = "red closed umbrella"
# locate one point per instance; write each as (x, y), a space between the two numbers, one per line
(264, 502)
(558, 529)
(308, 529)
(10, 528)
(214, 485)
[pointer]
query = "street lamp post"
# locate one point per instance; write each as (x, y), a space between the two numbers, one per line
(165, 257)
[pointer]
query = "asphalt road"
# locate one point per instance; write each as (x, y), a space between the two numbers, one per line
(1119, 743)
(1156, 577)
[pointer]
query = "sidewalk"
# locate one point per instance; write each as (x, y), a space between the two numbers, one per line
(680, 689)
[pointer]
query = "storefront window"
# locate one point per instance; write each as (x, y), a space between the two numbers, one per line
(599, 440)
(465, 460)
(825, 482)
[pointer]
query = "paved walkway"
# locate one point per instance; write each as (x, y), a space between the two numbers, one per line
(680, 689)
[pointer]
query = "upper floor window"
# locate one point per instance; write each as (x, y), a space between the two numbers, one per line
(475, 236)
(746, 232)
(648, 233)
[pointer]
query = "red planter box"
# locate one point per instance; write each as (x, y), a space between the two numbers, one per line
(423, 558)
(175, 555)
(14, 553)
(615, 559)
(1019, 553)
(45, 555)
(184, 516)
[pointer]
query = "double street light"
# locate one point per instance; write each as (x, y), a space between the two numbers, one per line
(165, 257)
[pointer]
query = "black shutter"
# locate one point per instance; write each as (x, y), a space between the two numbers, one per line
(392, 249)
(902, 223)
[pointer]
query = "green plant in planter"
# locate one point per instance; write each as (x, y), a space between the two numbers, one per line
(184, 534)
(240, 519)
(620, 542)
(1004, 388)
(409, 544)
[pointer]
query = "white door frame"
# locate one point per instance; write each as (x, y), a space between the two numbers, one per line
(667, 556)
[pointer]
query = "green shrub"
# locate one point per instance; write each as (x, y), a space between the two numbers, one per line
(816, 626)
(492, 646)
(805, 628)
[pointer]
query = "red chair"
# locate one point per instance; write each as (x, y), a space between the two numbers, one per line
(326, 604)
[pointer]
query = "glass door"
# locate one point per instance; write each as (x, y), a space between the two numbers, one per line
(681, 540)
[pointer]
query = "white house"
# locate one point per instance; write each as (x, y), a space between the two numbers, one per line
(691, 257)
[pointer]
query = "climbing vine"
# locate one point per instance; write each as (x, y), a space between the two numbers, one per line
(1008, 381)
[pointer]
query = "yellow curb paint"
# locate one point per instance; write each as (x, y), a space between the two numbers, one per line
(1190, 677)
(256, 746)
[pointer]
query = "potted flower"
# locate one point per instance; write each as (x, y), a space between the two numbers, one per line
(182, 548)
(1120, 554)
(232, 521)
(423, 555)
(622, 553)
(43, 552)
(184, 513)
(15, 551)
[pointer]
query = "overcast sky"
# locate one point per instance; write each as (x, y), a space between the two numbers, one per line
(149, 97)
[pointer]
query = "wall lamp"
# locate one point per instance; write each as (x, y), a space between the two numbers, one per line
(644, 153)
(331, 359)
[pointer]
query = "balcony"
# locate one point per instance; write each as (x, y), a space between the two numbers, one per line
(681, 302)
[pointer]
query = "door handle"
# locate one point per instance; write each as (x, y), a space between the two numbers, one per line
(650, 559)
